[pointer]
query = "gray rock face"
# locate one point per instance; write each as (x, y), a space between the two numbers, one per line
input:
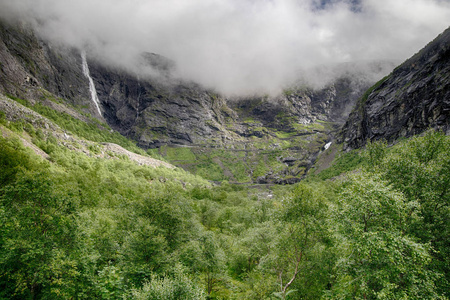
(28, 64)
(331, 103)
(155, 113)
(413, 98)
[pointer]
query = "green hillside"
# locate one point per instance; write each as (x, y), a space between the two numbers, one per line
(81, 221)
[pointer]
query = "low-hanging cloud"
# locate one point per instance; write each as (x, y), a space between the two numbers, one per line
(239, 46)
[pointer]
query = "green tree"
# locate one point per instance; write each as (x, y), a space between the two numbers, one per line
(379, 260)
(144, 251)
(14, 158)
(375, 153)
(36, 240)
(300, 245)
(212, 261)
(420, 168)
(176, 287)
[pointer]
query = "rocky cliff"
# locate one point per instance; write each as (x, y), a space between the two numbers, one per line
(155, 113)
(413, 98)
(28, 65)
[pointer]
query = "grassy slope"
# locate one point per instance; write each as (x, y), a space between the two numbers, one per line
(245, 161)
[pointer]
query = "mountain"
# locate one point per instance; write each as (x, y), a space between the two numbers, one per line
(267, 139)
(157, 112)
(412, 99)
(260, 138)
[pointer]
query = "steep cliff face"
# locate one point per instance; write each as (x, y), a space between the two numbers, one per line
(155, 113)
(413, 98)
(27, 64)
(305, 105)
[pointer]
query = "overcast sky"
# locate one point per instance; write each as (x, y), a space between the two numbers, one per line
(240, 45)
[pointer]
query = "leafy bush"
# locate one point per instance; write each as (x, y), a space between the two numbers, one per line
(167, 288)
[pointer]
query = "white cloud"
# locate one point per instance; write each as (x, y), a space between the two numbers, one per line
(240, 46)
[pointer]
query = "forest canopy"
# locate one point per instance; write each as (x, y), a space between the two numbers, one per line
(80, 227)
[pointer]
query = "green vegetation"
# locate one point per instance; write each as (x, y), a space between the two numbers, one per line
(93, 130)
(245, 161)
(179, 154)
(344, 163)
(284, 135)
(371, 89)
(372, 226)
(319, 126)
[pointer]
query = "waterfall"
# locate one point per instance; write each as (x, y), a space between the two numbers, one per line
(138, 97)
(86, 73)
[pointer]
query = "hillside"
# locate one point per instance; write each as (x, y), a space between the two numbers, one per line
(80, 220)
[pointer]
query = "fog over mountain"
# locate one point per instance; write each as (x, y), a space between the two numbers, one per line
(238, 46)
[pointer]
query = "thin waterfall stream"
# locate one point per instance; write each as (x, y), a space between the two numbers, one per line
(92, 89)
